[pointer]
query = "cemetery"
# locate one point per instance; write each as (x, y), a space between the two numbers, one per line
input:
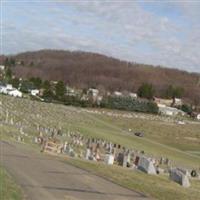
(92, 136)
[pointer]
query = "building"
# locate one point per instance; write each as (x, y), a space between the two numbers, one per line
(93, 92)
(70, 91)
(2, 67)
(117, 93)
(4, 89)
(133, 95)
(177, 102)
(14, 92)
(169, 111)
(164, 102)
(8, 89)
(196, 115)
(35, 92)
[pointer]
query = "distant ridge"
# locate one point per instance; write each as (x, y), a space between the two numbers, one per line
(84, 69)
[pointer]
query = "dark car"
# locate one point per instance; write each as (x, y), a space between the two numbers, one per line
(139, 134)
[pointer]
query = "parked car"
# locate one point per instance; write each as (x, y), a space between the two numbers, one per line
(139, 134)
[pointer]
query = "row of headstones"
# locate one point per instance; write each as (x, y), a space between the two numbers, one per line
(99, 149)
(124, 157)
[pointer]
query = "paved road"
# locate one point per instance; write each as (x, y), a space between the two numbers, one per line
(44, 177)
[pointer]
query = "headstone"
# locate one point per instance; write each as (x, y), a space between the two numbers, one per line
(125, 161)
(109, 159)
(137, 158)
(36, 140)
(146, 165)
(88, 154)
(21, 131)
(184, 171)
(179, 177)
(11, 121)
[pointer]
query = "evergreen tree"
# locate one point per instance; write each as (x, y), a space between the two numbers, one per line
(15, 82)
(60, 89)
(146, 90)
(46, 85)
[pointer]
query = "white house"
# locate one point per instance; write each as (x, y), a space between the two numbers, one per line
(198, 116)
(117, 93)
(170, 111)
(177, 102)
(8, 89)
(164, 102)
(2, 67)
(5, 88)
(14, 92)
(35, 92)
(94, 92)
(133, 95)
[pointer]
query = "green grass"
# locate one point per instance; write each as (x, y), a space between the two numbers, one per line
(8, 188)
(163, 137)
(158, 187)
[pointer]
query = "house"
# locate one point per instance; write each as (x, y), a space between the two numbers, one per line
(170, 111)
(133, 95)
(164, 102)
(8, 89)
(196, 115)
(117, 93)
(2, 67)
(70, 91)
(99, 100)
(93, 92)
(35, 92)
(14, 92)
(177, 102)
(4, 89)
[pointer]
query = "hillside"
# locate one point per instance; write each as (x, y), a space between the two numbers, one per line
(81, 69)
(162, 138)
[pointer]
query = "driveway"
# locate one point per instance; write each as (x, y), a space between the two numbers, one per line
(44, 177)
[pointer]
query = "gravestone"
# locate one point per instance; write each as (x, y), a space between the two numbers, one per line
(36, 140)
(137, 158)
(120, 159)
(11, 121)
(109, 159)
(88, 154)
(179, 177)
(146, 165)
(125, 160)
(184, 171)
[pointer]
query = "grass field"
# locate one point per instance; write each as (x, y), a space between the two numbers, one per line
(157, 187)
(163, 137)
(8, 188)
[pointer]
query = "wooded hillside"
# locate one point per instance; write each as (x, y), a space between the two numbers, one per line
(83, 70)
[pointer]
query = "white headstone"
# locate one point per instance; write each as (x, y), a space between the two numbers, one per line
(88, 154)
(109, 159)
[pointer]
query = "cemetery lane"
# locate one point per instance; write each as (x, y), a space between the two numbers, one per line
(46, 177)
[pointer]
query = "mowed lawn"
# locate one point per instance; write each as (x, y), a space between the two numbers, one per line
(180, 143)
(8, 188)
(156, 187)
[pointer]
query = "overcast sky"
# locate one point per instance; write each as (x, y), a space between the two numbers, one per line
(151, 32)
